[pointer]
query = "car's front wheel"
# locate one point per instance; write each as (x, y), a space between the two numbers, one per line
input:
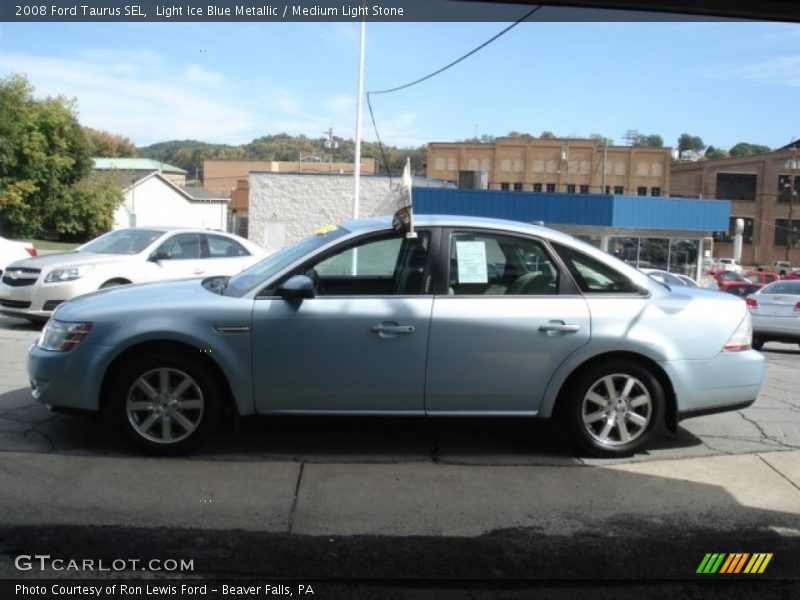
(612, 408)
(757, 343)
(166, 404)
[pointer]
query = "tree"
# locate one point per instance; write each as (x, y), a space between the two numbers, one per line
(649, 141)
(601, 138)
(43, 152)
(87, 208)
(547, 135)
(712, 152)
(109, 145)
(690, 142)
(745, 149)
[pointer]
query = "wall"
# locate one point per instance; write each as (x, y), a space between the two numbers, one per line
(287, 207)
(158, 203)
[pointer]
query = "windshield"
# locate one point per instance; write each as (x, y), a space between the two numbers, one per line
(122, 241)
(275, 263)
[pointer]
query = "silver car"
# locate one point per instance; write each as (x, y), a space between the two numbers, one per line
(775, 310)
(471, 317)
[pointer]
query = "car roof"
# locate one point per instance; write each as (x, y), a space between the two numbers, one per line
(383, 222)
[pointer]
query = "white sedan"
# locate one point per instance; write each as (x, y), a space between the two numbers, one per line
(775, 310)
(11, 251)
(33, 288)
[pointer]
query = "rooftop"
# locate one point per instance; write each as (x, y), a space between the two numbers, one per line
(135, 164)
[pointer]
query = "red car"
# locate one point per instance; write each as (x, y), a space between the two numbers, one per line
(762, 277)
(735, 283)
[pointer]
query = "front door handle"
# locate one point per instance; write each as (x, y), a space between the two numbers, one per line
(559, 327)
(390, 330)
(199, 271)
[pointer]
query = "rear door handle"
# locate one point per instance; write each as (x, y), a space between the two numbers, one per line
(199, 271)
(559, 327)
(388, 330)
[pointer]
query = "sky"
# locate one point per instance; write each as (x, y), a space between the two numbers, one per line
(726, 82)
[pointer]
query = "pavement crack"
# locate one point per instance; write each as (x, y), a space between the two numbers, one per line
(296, 497)
(764, 435)
(792, 483)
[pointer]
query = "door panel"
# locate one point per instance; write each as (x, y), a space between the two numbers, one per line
(357, 354)
(491, 354)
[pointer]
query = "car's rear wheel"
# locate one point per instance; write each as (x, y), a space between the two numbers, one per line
(166, 404)
(611, 408)
(757, 343)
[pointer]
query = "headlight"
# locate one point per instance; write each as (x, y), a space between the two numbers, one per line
(62, 336)
(68, 274)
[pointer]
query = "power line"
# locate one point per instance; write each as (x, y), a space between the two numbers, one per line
(437, 72)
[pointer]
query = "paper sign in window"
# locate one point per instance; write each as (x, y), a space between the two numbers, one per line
(472, 262)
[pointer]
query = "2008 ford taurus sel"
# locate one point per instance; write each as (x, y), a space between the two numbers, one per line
(470, 317)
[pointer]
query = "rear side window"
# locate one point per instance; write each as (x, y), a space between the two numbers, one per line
(593, 276)
(220, 247)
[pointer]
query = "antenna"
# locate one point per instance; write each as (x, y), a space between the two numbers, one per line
(631, 136)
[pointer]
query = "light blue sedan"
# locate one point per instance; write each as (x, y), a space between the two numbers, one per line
(472, 317)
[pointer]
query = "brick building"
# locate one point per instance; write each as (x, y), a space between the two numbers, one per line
(764, 190)
(568, 165)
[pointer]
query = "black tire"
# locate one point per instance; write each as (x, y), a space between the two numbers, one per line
(618, 428)
(757, 343)
(158, 422)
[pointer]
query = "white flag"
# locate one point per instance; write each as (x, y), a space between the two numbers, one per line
(404, 217)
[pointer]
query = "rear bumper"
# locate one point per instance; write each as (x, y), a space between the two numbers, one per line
(729, 381)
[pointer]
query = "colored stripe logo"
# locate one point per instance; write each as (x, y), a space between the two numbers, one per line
(734, 563)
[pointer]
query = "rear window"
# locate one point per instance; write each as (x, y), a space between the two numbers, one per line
(782, 287)
(593, 276)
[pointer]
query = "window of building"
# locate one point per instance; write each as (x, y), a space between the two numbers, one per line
(505, 165)
(782, 232)
(784, 185)
(505, 186)
(618, 189)
(655, 191)
(517, 187)
(641, 191)
(727, 236)
(608, 189)
(570, 188)
(736, 186)
(537, 187)
(452, 164)
(584, 189)
(551, 187)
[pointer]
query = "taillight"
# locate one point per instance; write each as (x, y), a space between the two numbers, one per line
(742, 338)
(32, 251)
(797, 307)
(752, 304)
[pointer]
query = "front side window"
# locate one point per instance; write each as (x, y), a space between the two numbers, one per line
(184, 246)
(593, 276)
(387, 265)
(499, 265)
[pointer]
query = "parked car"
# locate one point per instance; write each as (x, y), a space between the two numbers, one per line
(360, 319)
(762, 277)
(730, 264)
(775, 310)
(671, 279)
(734, 283)
(11, 251)
(33, 288)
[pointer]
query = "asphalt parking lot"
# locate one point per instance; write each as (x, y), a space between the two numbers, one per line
(404, 498)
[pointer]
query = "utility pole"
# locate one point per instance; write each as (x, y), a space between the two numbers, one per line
(791, 235)
(330, 145)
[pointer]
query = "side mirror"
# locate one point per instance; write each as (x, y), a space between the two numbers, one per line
(159, 255)
(297, 287)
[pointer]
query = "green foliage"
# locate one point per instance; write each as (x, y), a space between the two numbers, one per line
(712, 152)
(87, 208)
(109, 145)
(547, 135)
(45, 157)
(690, 142)
(745, 149)
(649, 141)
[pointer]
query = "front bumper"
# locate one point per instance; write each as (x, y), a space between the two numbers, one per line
(66, 379)
(38, 301)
